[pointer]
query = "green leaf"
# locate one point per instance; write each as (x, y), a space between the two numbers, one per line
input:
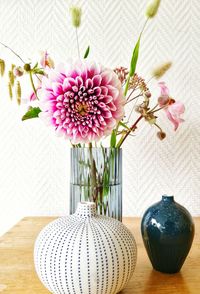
(133, 64)
(31, 113)
(134, 58)
(87, 52)
(113, 139)
(35, 66)
(38, 71)
(124, 125)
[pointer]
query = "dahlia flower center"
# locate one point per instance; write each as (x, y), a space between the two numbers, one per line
(82, 108)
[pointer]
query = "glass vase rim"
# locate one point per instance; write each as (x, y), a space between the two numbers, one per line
(87, 148)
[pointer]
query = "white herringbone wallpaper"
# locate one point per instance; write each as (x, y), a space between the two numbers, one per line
(34, 164)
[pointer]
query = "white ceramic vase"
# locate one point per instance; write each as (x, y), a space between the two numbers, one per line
(85, 253)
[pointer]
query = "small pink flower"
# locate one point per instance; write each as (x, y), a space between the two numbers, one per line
(46, 60)
(33, 96)
(82, 101)
(173, 109)
(18, 71)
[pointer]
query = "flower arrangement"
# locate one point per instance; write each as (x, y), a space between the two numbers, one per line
(85, 101)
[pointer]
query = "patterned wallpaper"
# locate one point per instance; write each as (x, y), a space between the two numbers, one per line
(34, 173)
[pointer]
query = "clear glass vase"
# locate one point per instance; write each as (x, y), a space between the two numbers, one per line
(96, 175)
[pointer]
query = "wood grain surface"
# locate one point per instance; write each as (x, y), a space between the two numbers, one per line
(17, 274)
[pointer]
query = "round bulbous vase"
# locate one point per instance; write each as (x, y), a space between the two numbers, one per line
(85, 253)
(167, 230)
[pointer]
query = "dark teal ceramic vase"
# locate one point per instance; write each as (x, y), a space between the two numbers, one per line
(167, 230)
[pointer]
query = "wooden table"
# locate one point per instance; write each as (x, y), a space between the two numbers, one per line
(17, 275)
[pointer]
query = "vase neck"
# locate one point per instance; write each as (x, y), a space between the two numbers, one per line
(86, 209)
(167, 198)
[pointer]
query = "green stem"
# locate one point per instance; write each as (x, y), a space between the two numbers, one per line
(77, 42)
(126, 85)
(32, 83)
(93, 176)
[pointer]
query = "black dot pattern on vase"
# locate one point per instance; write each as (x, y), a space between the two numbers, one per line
(85, 254)
(115, 259)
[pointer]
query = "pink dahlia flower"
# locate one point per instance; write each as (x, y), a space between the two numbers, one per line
(174, 109)
(84, 102)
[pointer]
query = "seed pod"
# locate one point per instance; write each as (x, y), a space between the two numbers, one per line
(161, 70)
(152, 8)
(161, 135)
(2, 67)
(27, 67)
(11, 77)
(76, 16)
(10, 90)
(18, 92)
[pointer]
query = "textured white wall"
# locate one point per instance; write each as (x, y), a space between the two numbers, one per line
(34, 164)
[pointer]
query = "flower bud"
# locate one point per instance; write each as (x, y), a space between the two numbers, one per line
(147, 94)
(27, 67)
(76, 16)
(161, 70)
(18, 71)
(2, 67)
(161, 135)
(152, 8)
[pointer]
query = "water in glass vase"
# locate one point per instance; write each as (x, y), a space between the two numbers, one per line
(96, 175)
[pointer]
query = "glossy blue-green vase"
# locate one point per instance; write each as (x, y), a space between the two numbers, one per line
(167, 230)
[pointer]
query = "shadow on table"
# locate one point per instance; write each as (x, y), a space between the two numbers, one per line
(165, 283)
(158, 283)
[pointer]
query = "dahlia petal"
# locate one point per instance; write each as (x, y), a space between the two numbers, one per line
(113, 92)
(89, 84)
(60, 98)
(84, 75)
(106, 114)
(102, 105)
(66, 85)
(97, 80)
(59, 131)
(107, 99)
(97, 91)
(104, 90)
(72, 81)
(119, 114)
(111, 106)
(55, 76)
(106, 77)
(79, 81)
(56, 113)
(111, 123)
(93, 70)
(57, 88)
